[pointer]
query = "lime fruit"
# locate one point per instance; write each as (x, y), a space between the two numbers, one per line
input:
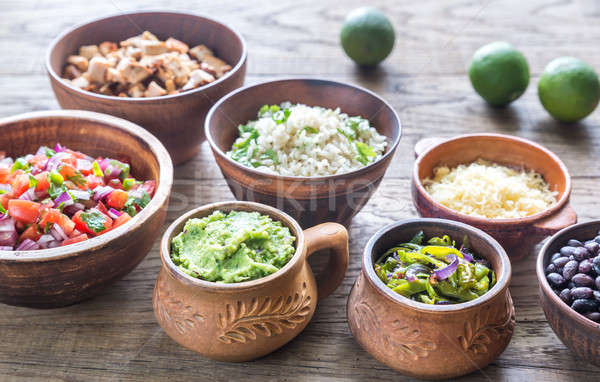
(367, 36)
(499, 73)
(569, 89)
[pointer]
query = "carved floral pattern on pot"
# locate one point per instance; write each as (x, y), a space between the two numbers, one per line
(405, 342)
(488, 325)
(265, 316)
(172, 310)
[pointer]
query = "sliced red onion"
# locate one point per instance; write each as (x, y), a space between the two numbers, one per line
(102, 192)
(84, 164)
(73, 208)
(54, 244)
(8, 237)
(44, 240)
(28, 245)
(104, 164)
(7, 225)
(80, 194)
(58, 232)
(4, 216)
(444, 273)
(55, 161)
(63, 198)
(58, 148)
(112, 172)
(6, 248)
(114, 213)
(28, 195)
(467, 256)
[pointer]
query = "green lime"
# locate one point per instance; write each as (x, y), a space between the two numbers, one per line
(499, 73)
(569, 89)
(367, 36)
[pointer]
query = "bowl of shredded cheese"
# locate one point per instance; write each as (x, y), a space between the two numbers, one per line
(512, 188)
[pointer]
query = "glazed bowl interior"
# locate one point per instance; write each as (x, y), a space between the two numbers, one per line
(403, 231)
(242, 105)
(506, 150)
(191, 29)
(95, 135)
(582, 232)
(177, 227)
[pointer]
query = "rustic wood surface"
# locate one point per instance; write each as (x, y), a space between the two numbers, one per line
(115, 336)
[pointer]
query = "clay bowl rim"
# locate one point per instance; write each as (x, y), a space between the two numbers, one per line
(165, 182)
(232, 205)
(74, 29)
(501, 283)
(473, 220)
(314, 81)
(544, 253)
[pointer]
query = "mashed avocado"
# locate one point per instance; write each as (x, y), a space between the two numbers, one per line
(234, 247)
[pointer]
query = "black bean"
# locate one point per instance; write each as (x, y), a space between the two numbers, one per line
(584, 305)
(570, 269)
(597, 239)
(581, 253)
(565, 295)
(597, 282)
(594, 316)
(593, 247)
(574, 243)
(582, 292)
(570, 285)
(555, 256)
(596, 295)
(555, 279)
(560, 262)
(596, 260)
(550, 268)
(596, 268)
(567, 251)
(585, 266)
(581, 280)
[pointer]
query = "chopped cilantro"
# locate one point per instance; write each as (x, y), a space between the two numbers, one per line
(281, 116)
(365, 152)
(49, 152)
(32, 181)
(271, 154)
(310, 129)
(47, 227)
(244, 144)
(245, 129)
(77, 179)
(55, 190)
(134, 201)
(263, 110)
(95, 220)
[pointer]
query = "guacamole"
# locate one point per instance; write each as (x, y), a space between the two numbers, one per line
(232, 247)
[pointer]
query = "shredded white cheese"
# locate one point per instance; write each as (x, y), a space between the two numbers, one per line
(489, 190)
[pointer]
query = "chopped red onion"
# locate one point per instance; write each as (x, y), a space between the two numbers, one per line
(80, 194)
(8, 237)
(28, 195)
(444, 273)
(4, 216)
(467, 256)
(73, 208)
(104, 164)
(63, 198)
(114, 213)
(41, 151)
(58, 148)
(102, 192)
(55, 161)
(84, 164)
(44, 240)
(28, 245)
(58, 232)
(54, 244)
(112, 172)
(8, 161)
(7, 225)
(6, 248)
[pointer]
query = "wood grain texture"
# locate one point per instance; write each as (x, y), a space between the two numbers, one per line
(115, 336)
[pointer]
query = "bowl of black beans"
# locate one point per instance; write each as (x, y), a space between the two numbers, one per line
(568, 271)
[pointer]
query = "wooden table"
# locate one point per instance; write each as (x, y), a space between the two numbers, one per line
(115, 336)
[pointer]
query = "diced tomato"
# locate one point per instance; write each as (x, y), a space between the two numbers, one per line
(4, 200)
(67, 171)
(149, 186)
(83, 227)
(24, 210)
(69, 160)
(94, 181)
(124, 218)
(102, 208)
(42, 181)
(20, 184)
(76, 239)
(32, 233)
(38, 161)
(117, 199)
(55, 216)
(75, 233)
(4, 174)
(115, 183)
(76, 154)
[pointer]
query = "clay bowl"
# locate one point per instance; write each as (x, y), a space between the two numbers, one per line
(517, 236)
(65, 275)
(577, 332)
(247, 320)
(176, 120)
(431, 341)
(310, 200)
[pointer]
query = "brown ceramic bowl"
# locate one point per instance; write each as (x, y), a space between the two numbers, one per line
(579, 333)
(65, 275)
(431, 341)
(517, 236)
(176, 120)
(247, 320)
(310, 200)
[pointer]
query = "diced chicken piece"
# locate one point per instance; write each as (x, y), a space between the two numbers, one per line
(149, 36)
(132, 72)
(164, 75)
(176, 45)
(170, 86)
(79, 61)
(152, 48)
(174, 65)
(197, 78)
(199, 52)
(154, 90)
(71, 72)
(219, 66)
(97, 69)
(136, 91)
(133, 52)
(80, 82)
(113, 75)
(106, 47)
(88, 51)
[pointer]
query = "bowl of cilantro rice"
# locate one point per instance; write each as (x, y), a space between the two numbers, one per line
(316, 149)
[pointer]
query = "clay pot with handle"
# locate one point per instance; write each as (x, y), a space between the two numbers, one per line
(244, 321)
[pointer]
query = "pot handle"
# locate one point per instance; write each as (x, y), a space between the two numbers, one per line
(424, 144)
(552, 224)
(334, 236)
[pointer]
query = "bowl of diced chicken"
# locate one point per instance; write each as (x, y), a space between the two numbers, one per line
(161, 70)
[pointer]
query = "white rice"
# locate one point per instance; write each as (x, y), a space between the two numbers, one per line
(309, 143)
